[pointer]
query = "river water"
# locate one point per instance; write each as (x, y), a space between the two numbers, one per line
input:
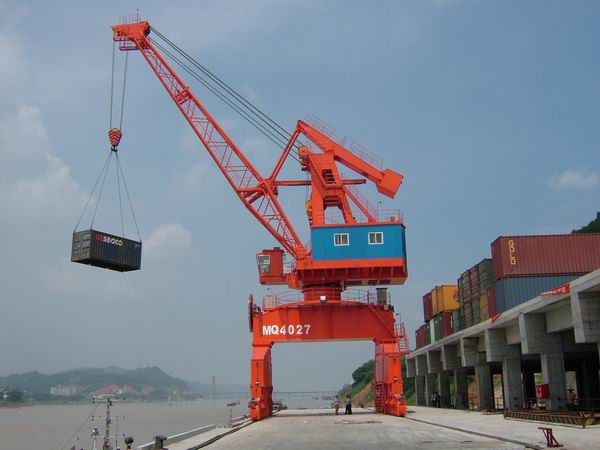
(49, 427)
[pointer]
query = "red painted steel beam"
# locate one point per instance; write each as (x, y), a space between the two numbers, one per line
(313, 322)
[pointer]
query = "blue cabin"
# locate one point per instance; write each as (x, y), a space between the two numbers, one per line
(364, 241)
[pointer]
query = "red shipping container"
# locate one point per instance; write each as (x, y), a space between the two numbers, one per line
(491, 295)
(562, 254)
(427, 307)
(420, 337)
(446, 328)
(542, 391)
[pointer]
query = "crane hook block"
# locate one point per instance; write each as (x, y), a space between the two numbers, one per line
(114, 136)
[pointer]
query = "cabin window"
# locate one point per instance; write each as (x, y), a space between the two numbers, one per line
(376, 238)
(264, 263)
(340, 239)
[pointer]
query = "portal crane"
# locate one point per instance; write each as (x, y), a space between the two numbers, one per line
(357, 248)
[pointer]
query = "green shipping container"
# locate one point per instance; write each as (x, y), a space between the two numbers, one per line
(456, 321)
(428, 332)
(437, 327)
(486, 275)
(476, 311)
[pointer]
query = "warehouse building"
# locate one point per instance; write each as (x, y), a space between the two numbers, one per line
(552, 334)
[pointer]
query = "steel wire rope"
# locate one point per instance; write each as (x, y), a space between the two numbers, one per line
(92, 193)
(80, 427)
(261, 128)
(120, 201)
(112, 84)
(218, 94)
(120, 168)
(101, 189)
(241, 99)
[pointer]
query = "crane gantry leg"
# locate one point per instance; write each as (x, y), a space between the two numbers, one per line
(389, 389)
(261, 390)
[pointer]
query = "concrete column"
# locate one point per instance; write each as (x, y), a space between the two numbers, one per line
(430, 387)
(420, 394)
(411, 367)
(444, 383)
(462, 389)
(585, 309)
(589, 387)
(549, 346)
(434, 362)
(450, 359)
(468, 351)
(483, 378)
(511, 379)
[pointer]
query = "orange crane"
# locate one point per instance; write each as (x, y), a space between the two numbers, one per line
(355, 248)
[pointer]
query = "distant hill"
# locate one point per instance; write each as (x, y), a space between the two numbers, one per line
(147, 382)
(592, 227)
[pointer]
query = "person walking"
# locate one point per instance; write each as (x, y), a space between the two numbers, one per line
(348, 405)
(336, 405)
(571, 397)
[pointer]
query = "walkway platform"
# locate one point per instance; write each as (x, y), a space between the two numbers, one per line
(423, 428)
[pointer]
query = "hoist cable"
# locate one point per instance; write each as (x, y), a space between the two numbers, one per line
(93, 190)
(225, 86)
(260, 127)
(120, 168)
(123, 94)
(101, 189)
(119, 191)
(252, 109)
(81, 426)
(218, 94)
(112, 84)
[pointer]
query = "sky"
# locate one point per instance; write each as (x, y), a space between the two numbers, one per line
(488, 108)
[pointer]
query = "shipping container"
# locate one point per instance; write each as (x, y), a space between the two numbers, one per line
(476, 311)
(513, 291)
(427, 314)
(474, 277)
(456, 321)
(491, 296)
(442, 324)
(486, 275)
(444, 298)
(484, 313)
(420, 337)
(428, 332)
(564, 254)
(106, 250)
(464, 287)
(467, 315)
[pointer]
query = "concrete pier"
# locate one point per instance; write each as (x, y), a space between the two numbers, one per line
(548, 335)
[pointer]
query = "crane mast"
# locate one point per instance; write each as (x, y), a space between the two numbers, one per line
(365, 248)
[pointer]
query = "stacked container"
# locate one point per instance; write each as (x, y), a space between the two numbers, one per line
(525, 266)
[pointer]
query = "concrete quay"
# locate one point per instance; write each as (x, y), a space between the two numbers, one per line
(550, 335)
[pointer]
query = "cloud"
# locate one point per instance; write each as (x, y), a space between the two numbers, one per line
(574, 178)
(168, 239)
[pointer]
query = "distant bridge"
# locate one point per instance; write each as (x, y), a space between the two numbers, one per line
(276, 394)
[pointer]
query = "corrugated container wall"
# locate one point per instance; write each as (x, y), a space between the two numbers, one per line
(513, 291)
(474, 276)
(428, 332)
(456, 321)
(420, 337)
(476, 311)
(464, 287)
(427, 313)
(106, 250)
(446, 298)
(486, 275)
(484, 312)
(515, 256)
(466, 311)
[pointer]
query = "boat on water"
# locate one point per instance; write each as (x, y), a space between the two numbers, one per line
(235, 403)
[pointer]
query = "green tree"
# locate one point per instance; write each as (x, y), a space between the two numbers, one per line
(592, 227)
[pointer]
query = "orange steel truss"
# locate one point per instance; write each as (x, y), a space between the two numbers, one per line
(323, 308)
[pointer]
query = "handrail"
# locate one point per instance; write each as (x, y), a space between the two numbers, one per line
(369, 297)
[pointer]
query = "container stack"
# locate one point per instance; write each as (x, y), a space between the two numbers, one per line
(520, 269)
(525, 266)
(438, 307)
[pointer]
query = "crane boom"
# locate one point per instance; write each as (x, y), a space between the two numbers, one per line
(257, 195)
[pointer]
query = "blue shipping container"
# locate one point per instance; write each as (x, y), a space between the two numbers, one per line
(358, 242)
(510, 292)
